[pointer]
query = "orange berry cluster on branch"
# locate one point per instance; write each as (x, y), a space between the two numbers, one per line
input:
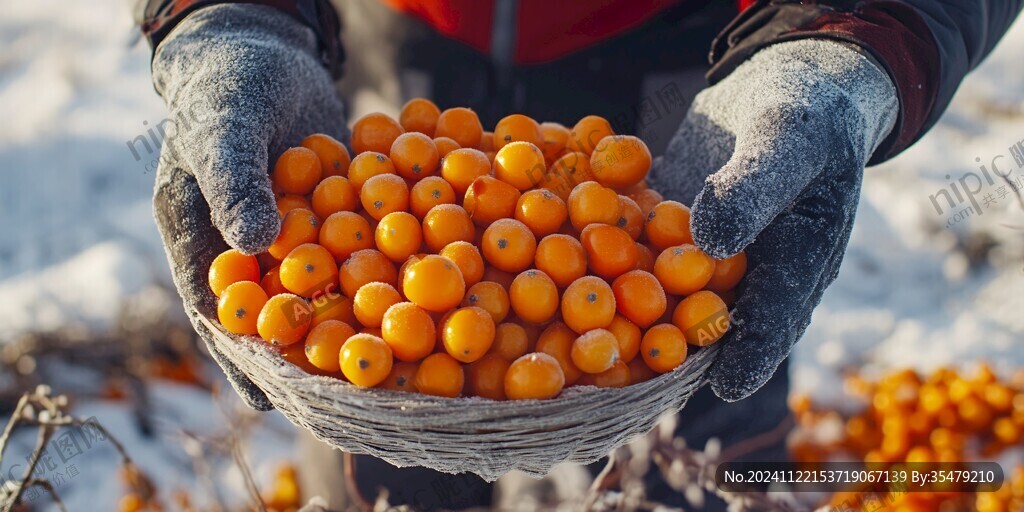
(448, 260)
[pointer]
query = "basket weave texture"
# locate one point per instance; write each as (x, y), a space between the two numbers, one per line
(457, 435)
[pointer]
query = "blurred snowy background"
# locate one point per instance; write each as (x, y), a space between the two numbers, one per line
(919, 287)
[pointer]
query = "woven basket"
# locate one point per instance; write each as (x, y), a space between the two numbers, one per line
(456, 435)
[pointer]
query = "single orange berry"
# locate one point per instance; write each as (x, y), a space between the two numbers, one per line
(509, 245)
(434, 283)
(562, 258)
(568, 171)
(490, 297)
(384, 194)
(556, 341)
(620, 161)
(289, 202)
(502, 278)
(409, 330)
(415, 156)
(334, 194)
(587, 132)
(419, 115)
(644, 258)
(398, 236)
(668, 225)
(628, 336)
(631, 219)
(401, 378)
(230, 267)
(520, 164)
(334, 306)
(334, 158)
(367, 165)
(309, 270)
(284, 319)
(510, 341)
(428, 193)
(240, 305)
(640, 297)
(588, 303)
(297, 171)
(646, 199)
(344, 233)
(487, 143)
(440, 375)
(595, 351)
(542, 211)
(468, 334)
(324, 342)
(728, 273)
(639, 371)
(372, 301)
(375, 132)
(683, 269)
(534, 296)
(554, 137)
(591, 203)
(461, 125)
(299, 226)
(462, 166)
(485, 377)
(445, 224)
(703, 317)
(618, 376)
(517, 128)
(663, 348)
(366, 266)
(365, 360)
(534, 376)
(489, 199)
(296, 355)
(271, 282)
(610, 251)
(445, 145)
(467, 257)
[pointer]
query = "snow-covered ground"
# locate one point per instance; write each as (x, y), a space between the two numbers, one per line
(918, 288)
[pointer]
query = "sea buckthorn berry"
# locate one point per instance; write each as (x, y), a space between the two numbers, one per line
(631, 220)
(444, 146)
(562, 258)
(372, 301)
(334, 194)
(509, 245)
(284, 319)
(663, 348)
(440, 375)
(428, 193)
(297, 171)
(554, 136)
(595, 351)
(587, 132)
(445, 224)
(592, 203)
(468, 334)
(419, 115)
(534, 377)
(240, 305)
(344, 233)
(610, 251)
(323, 344)
(374, 331)
(375, 132)
(668, 225)
(517, 128)
(556, 341)
(461, 125)
(487, 143)
(683, 269)
(728, 273)
(489, 199)
(384, 194)
(415, 156)
(644, 258)
(640, 297)
(462, 166)
(485, 377)
(334, 158)
(366, 266)
(409, 330)
(367, 165)
(334, 306)
(230, 267)
(646, 199)
(618, 376)
(628, 336)
(510, 341)
(271, 282)
(365, 360)
(434, 283)
(467, 257)
(542, 211)
(588, 303)
(299, 226)
(489, 296)
(620, 161)
(568, 171)
(309, 270)
(534, 296)
(502, 278)
(703, 317)
(520, 164)
(398, 236)
(401, 378)
(639, 371)
(289, 202)
(296, 355)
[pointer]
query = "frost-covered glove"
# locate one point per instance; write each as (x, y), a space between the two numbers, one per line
(772, 156)
(242, 84)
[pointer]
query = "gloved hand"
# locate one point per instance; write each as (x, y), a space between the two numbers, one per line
(242, 84)
(772, 156)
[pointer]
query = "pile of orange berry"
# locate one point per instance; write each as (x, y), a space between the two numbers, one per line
(943, 417)
(454, 261)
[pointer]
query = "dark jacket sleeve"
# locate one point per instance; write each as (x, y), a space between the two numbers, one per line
(926, 46)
